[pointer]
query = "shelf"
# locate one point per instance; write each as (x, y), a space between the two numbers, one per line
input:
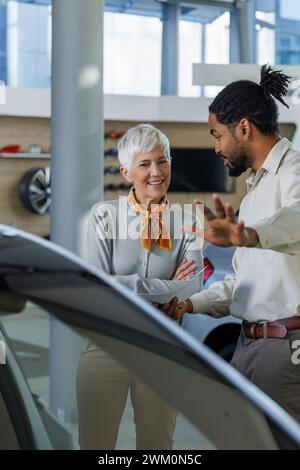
(26, 155)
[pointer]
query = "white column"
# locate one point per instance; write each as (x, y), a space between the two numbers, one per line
(169, 60)
(77, 160)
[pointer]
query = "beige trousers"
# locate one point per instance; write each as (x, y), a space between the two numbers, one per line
(102, 390)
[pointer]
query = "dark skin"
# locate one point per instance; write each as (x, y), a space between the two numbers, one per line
(241, 145)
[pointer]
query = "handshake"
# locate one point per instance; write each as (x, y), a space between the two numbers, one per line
(175, 308)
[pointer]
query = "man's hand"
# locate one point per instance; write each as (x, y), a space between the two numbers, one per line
(222, 228)
(175, 309)
(186, 268)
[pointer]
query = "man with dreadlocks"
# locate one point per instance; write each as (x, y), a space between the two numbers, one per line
(265, 290)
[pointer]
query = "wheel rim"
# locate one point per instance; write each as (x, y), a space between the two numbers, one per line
(40, 191)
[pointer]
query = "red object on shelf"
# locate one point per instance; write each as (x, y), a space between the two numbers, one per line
(111, 135)
(114, 134)
(10, 149)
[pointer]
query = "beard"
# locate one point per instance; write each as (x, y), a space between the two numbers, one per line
(236, 163)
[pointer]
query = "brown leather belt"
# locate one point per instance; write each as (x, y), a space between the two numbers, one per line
(274, 329)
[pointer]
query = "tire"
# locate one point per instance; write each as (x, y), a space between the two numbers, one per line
(227, 352)
(35, 190)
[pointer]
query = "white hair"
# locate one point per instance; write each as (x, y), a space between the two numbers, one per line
(141, 139)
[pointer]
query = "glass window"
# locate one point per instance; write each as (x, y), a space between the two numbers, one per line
(289, 9)
(28, 45)
(288, 33)
(28, 332)
(265, 37)
(217, 40)
(190, 50)
(130, 345)
(3, 45)
(288, 49)
(132, 54)
(29, 335)
(8, 438)
(217, 46)
(265, 45)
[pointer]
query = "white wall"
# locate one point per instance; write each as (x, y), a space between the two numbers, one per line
(36, 103)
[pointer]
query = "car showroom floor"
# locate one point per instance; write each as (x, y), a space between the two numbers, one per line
(30, 333)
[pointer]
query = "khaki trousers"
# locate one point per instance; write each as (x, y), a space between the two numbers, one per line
(268, 364)
(102, 390)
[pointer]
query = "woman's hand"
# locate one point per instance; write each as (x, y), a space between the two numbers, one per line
(175, 309)
(186, 268)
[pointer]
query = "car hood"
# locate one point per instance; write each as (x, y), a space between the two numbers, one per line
(229, 410)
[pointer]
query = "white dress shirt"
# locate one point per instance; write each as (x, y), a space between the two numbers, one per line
(266, 283)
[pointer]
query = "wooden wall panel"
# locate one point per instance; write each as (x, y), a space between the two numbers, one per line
(27, 131)
(12, 210)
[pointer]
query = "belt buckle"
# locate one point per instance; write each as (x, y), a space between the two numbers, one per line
(255, 325)
(265, 329)
(252, 330)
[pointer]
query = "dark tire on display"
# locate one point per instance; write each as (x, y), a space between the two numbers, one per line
(35, 190)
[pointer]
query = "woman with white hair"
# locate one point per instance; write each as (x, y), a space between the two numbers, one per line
(147, 255)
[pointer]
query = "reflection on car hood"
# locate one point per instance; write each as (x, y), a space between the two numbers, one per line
(93, 302)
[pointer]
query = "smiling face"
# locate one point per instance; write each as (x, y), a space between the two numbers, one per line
(231, 144)
(150, 174)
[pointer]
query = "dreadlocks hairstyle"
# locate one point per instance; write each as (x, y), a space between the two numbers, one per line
(255, 102)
